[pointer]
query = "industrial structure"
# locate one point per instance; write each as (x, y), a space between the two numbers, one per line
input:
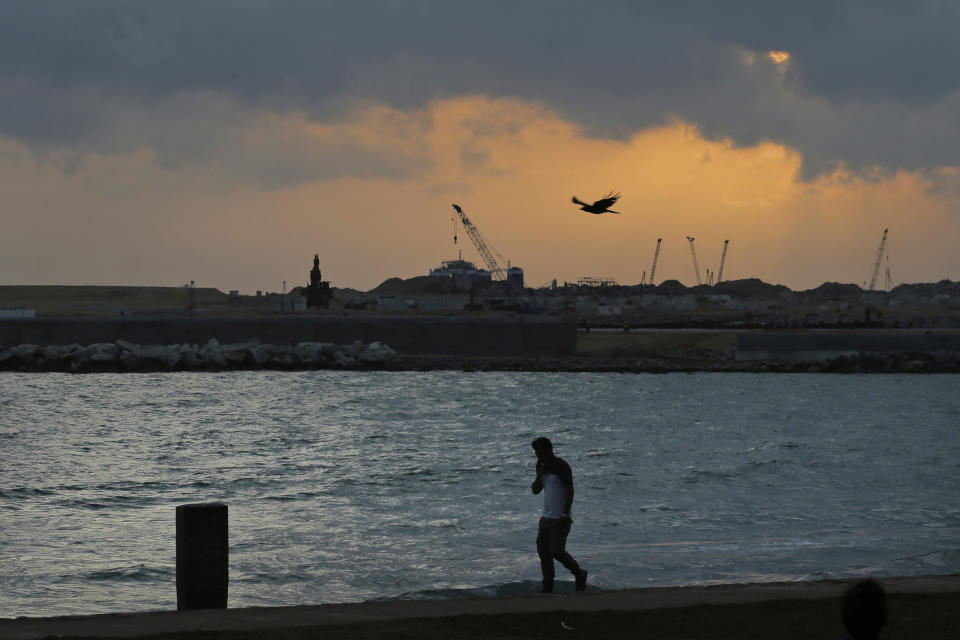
(723, 259)
(462, 269)
(513, 276)
(876, 264)
(656, 255)
(696, 267)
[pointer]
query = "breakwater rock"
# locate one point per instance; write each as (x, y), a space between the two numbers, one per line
(212, 356)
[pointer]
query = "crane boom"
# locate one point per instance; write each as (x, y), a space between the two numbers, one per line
(483, 247)
(693, 252)
(723, 258)
(656, 254)
(876, 265)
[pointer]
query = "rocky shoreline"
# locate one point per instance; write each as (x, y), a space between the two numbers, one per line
(123, 356)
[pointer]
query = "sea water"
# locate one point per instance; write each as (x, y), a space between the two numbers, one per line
(350, 486)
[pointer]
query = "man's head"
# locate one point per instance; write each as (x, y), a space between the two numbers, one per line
(864, 610)
(543, 448)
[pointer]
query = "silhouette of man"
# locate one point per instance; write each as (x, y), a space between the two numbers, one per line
(864, 610)
(555, 480)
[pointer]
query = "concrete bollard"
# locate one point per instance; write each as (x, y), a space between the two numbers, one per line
(202, 555)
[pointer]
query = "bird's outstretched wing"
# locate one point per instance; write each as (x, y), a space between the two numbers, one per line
(580, 202)
(606, 201)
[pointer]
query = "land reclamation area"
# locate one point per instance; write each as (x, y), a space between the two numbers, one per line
(489, 339)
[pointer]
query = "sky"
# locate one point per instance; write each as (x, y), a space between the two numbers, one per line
(227, 142)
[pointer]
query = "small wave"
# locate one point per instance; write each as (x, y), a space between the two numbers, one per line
(525, 587)
(24, 492)
(417, 472)
(940, 560)
(293, 497)
(695, 476)
(110, 502)
(136, 573)
(280, 578)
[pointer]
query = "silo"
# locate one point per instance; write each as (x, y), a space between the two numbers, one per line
(515, 277)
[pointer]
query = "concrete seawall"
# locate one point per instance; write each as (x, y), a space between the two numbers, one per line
(818, 346)
(518, 336)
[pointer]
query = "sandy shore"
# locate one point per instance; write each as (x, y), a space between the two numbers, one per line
(927, 606)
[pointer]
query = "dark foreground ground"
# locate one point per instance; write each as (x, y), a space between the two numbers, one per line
(920, 607)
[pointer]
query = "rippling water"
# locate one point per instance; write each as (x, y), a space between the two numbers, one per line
(350, 486)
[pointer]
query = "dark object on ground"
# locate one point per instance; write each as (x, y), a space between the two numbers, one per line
(864, 610)
(202, 556)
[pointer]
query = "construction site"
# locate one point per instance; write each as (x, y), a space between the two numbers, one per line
(460, 309)
(495, 287)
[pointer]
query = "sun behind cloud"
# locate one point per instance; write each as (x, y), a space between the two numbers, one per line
(779, 57)
(512, 164)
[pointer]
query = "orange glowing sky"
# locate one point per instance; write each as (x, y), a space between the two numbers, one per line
(202, 185)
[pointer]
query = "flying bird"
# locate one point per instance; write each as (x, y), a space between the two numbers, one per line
(600, 206)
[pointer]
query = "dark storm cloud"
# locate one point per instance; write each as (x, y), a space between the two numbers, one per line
(868, 83)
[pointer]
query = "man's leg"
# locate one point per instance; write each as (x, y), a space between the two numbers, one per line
(544, 538)
(559, 551)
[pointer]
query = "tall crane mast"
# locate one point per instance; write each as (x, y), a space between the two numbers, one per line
(483, 247)
(876, 264)
(888, 280)
(656, 254)
(723, 258)
(693, 252)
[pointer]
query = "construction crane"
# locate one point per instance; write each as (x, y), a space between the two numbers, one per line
(656, 254)
(876, 264)
(643, 278)
(486, 252)
(693, 252)
(888, 280)
(723, 258)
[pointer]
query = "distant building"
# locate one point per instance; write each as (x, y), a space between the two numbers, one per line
(463, 269)
(288, 302)
(515, 277)
(318, 291)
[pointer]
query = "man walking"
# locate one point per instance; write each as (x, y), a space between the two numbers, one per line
(555, 480)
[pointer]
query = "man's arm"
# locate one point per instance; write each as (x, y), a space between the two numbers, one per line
(537, 485)
(567, 479)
